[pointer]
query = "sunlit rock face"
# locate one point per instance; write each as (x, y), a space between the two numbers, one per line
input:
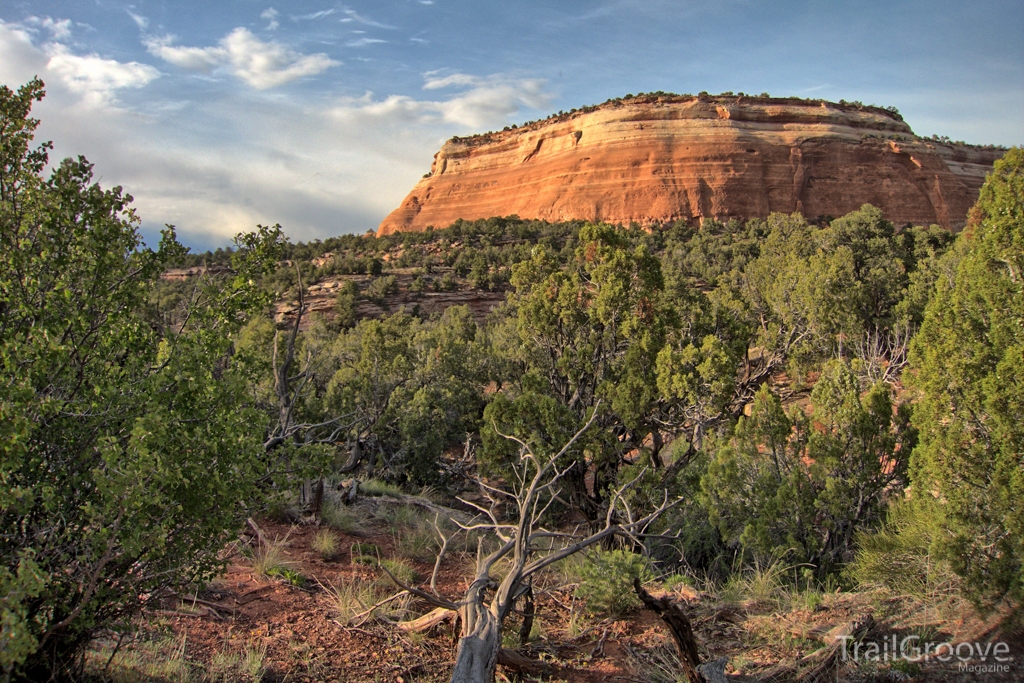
(660, 159)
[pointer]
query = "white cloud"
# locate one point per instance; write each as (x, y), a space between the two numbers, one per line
(94, 77)
(362, 42)
(266, 65)
(493, 102)
(487, 103)
(314, 15)
(270, 14)
(352, 15)
(59, 29)
(20, 60)
(453, 79)
(260, 64)
(140, 21)
(203, 59)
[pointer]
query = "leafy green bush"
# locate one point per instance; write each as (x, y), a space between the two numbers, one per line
(445, 283)
(345, 305)
(381, 288)
(127, 452)
(779, 483)
(290, 575)
(606, 582)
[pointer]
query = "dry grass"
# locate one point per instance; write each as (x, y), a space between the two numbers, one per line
(764, 583)
(658, 664)
(399, 569)
(325, 542)
(340, 518)
(378, 487)
(268, 558)
(164, 660)
(354, 601)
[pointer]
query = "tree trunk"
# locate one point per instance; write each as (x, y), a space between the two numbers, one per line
(318, 499)
(528, 614)
(478, 650)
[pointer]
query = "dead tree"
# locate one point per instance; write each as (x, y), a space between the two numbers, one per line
(291, 384)
(531, 548)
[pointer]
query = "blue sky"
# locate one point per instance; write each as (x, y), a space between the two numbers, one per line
(321, 116)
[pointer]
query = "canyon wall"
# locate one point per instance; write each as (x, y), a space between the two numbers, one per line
(661, 159)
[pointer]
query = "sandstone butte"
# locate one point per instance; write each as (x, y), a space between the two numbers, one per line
(658, 159)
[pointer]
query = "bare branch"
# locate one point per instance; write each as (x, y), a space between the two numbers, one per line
(440, 555)
(434, 600)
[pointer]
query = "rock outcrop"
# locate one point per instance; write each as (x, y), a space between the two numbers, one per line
(661, 159)
(320, 299)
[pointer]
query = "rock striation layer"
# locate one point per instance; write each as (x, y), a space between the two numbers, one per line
(661, 159)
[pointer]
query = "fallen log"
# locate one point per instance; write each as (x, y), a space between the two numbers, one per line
(254, 594)
(522, 663)
(823, 661)
(428, 620)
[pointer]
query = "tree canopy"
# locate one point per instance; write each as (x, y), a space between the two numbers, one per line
(126, 454)
(966, 366)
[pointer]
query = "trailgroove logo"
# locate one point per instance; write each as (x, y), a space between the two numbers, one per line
(990, 657)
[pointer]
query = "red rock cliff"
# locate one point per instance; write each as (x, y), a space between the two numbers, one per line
(662, 159)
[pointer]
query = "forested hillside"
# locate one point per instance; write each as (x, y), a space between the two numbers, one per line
(768, 375)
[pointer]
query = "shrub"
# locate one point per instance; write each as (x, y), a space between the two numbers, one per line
(606, 582)
(381, 288)
(446, 283)
(345, 304)
(779, 483)
(127, 450)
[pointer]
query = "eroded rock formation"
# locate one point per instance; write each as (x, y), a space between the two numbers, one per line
(661, 159)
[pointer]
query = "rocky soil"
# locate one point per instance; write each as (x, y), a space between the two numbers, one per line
(301, 633)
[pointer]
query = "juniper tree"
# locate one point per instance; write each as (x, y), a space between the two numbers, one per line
(966, 365)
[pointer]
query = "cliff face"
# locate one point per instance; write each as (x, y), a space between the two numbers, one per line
(659, 160)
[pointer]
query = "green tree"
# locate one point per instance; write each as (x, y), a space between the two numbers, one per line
(854, 288)
(789, 482)
(584, 332)
(126, 455)
(345, 305)
(391, 393)
(966, 364)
